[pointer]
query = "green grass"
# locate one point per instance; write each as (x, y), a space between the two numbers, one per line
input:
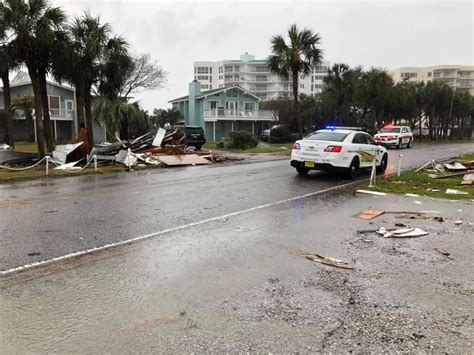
(26, 147)
(420, 183)
(271, 148)
(39, 172)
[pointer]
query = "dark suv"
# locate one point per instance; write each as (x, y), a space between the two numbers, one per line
(194, 135)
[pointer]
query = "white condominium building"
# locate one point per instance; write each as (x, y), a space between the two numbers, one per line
(253, 75)
(460, 77)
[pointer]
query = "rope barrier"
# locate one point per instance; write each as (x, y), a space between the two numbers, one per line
(22, 169)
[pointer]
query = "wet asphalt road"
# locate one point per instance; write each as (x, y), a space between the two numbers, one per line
(43, 219)
(240, 286)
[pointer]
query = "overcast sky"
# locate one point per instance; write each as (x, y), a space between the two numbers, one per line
(386, 34)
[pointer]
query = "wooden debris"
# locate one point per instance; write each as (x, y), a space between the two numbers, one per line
(441, 251)
(369, 214)
(327, 261)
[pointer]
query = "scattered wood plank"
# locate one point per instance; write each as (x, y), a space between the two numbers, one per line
(369, 214)
(327, 261)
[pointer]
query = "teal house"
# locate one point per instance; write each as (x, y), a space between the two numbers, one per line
(221, 111)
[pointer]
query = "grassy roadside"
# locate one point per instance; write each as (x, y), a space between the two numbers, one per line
(39, 172)
(422, 184)
(26, 147)
(283, 149)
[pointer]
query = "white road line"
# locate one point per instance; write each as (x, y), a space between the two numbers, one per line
(155, 234)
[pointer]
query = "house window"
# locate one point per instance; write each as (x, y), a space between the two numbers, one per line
(213, 104)
(429, 74)
(261, 87)
(210, 70)
(202, 77)
(249, 106)
(408, 75)
(221, 77)
(228, 69)
(312, 78)
(228, 78)
(54, 105)
(202, 70)
(232, 93)
(312, 87)
(210, 87)
(301, 86)
(236, 78)
(205, 86)
(261, 68)
(236, 69)
(221, 69)
(261, 78)
(319, 77)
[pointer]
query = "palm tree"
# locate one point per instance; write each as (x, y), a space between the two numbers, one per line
(8, 62)
(117, 115)
(91, 57)
(376, 85)
(32, 26)
(300, 56)
(339, 84)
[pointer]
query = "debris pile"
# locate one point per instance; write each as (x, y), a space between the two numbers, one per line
(464, 170)
(157, 148)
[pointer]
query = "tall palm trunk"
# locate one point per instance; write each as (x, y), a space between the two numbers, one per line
(38, 108)
(297, 108)
(80, 104)
(8, 110)
(88, 110)
(48, 129)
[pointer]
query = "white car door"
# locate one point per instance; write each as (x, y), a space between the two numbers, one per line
(405, 134)
(364, 150)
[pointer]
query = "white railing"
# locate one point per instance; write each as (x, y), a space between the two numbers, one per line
(59, 114)
(237, 114)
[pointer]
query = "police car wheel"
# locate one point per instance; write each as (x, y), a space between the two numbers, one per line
(353, 171)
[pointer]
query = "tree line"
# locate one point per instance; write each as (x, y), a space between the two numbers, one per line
(82, 52)
(363, 98)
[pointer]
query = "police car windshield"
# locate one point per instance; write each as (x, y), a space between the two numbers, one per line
(327, 136)
(390, 130)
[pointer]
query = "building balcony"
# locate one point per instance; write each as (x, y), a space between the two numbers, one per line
(55, 114)
(212, 115)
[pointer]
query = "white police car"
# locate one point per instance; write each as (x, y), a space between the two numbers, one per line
(338, 148)
(395, 136)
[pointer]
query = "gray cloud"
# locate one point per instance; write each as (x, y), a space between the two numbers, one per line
(378, 33)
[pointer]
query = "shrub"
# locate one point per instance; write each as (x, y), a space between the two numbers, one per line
(242, 140)
(280, 135)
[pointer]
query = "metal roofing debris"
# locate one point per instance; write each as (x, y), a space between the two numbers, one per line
(160, 134)
(61, 152)
(401, 232)
(69, 166)
(454, 166)
(456, 192)
(372, 192)
(4, 147)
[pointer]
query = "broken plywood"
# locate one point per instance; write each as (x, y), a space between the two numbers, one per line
(179, 160)
(369, 214)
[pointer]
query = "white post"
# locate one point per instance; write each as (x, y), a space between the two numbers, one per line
(34, 128)
(128, 160)
(47, 165)
(373, 173)
(55, 131)
(400, 156)
(95, 163)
